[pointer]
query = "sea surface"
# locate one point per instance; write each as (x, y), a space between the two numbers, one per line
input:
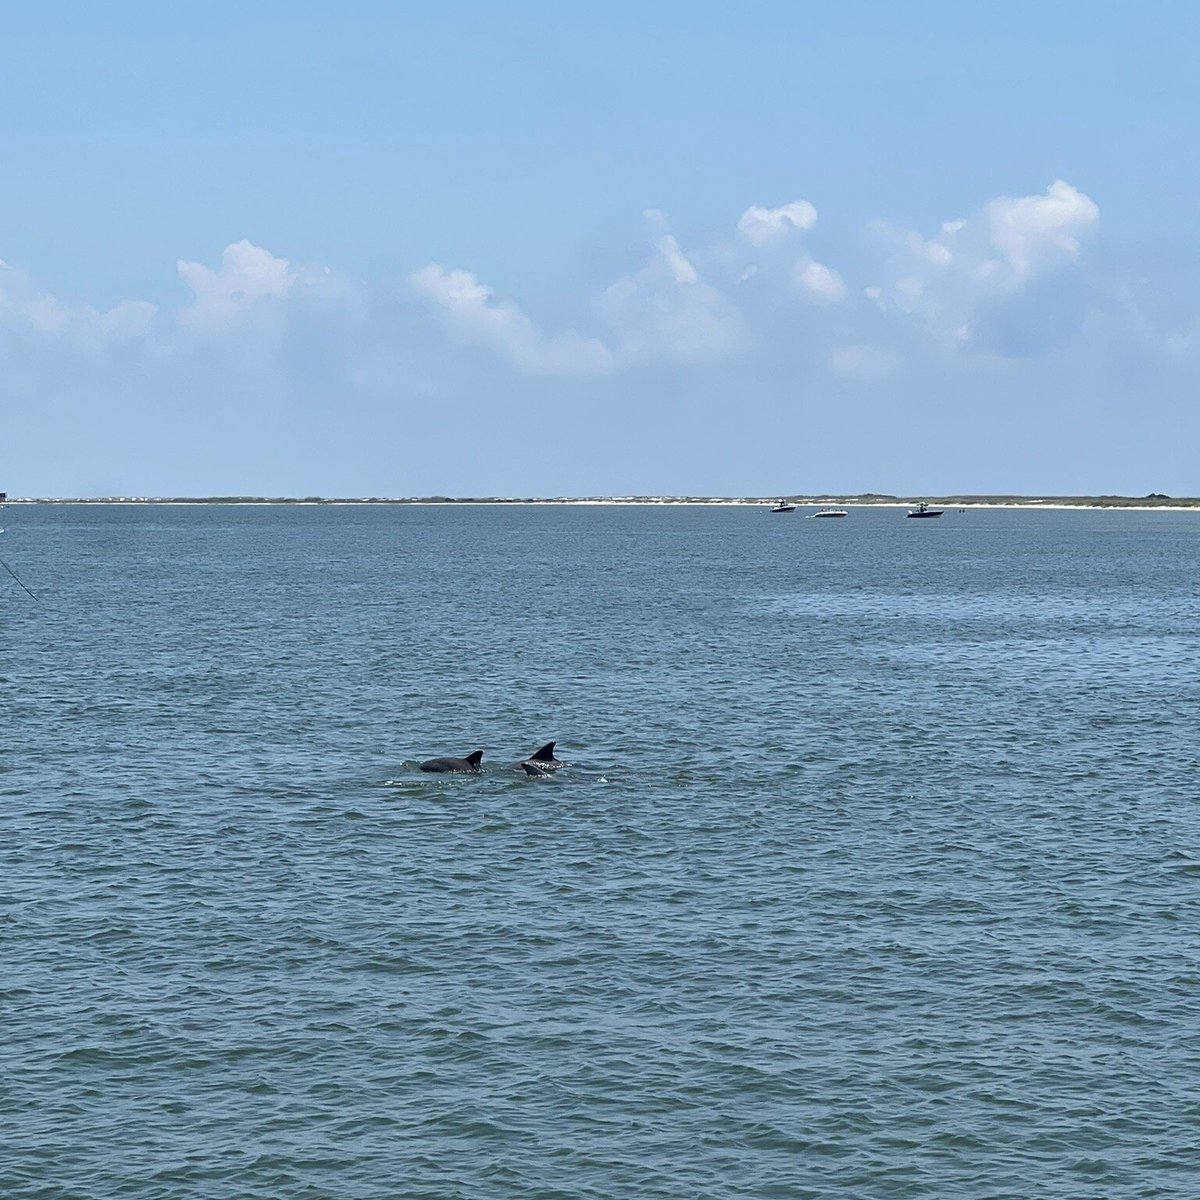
(875, 871)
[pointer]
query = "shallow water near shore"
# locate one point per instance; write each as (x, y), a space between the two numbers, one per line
(874, 872)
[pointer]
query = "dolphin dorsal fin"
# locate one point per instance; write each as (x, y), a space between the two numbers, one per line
(545, 754)
(475, 758)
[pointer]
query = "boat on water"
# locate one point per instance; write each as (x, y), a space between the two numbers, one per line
(828, 512)
(923, 510)
(782, 507)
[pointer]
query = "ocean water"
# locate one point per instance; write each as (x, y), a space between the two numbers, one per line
(875, 871)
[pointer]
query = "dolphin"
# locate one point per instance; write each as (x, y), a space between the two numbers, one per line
(446, 765)
(542, 761)
(534, 771)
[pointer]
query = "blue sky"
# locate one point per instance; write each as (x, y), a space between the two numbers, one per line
(523, 250)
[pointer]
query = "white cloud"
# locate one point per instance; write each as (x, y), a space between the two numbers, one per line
(666, 311)
(473, 311)
(685, 324)
(1004, 281)
(1035, 230)
(22, 305)
(935, 251)
(1009, 281)
(248, 274)
(677, 263)
(818, 281)
(762, 225)
(46, 316)
(129, 319)
(1006, 307)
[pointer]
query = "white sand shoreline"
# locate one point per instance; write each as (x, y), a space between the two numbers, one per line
(599, 502)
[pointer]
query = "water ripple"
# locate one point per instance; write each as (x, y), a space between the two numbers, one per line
(873, 872)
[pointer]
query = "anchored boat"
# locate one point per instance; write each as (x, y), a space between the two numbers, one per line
(923, 510)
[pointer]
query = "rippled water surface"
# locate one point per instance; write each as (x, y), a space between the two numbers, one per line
(874, 872)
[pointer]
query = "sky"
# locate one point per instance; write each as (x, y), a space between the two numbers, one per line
(634, 249)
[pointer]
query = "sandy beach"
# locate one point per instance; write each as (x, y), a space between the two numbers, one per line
(1168, 504)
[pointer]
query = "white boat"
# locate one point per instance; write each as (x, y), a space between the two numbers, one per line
(828, 512)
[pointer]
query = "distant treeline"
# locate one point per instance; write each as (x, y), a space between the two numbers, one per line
(1152, 500)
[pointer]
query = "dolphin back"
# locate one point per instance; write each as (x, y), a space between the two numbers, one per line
(448, 765)
(545, 754)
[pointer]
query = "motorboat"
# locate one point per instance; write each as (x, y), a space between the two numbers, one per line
(782, 507)
(923, 510)
(828, 512)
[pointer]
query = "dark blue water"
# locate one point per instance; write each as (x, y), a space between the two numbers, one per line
(875, 872)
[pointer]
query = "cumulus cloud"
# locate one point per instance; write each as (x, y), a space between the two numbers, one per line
(1011, 280)
(248, 275)
(935, 251)
(472, 311)
(819, 282)
(23, 307)
(783, 277)
(681, 270)
(1034, 231)
(1004, 281)
(762, 225)
(46, 315)
(665, 311)
(129, 319)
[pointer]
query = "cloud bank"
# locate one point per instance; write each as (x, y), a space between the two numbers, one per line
(1018, 298)
(1013, 279)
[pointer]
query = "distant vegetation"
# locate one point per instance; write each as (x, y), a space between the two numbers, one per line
(1152, 500)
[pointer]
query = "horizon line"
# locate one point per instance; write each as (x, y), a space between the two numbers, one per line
(862, 499)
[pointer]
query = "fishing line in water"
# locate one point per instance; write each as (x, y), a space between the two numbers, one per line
(20, 582)
(18, 579)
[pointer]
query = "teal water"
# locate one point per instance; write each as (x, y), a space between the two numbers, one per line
(875, 871)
